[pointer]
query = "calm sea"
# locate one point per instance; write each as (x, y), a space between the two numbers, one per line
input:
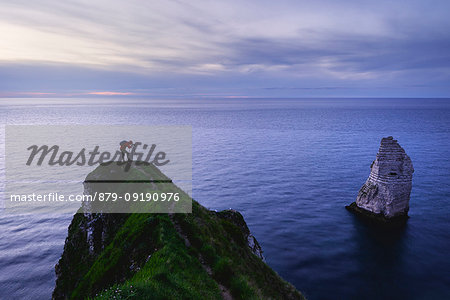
(290, 167)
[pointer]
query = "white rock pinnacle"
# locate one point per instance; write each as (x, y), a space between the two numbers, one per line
(388, 188)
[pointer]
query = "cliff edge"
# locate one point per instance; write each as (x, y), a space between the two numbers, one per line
(198, 255)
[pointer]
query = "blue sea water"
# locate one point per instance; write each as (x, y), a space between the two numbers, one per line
(290, 166)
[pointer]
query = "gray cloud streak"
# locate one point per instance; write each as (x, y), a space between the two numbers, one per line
(305, 45)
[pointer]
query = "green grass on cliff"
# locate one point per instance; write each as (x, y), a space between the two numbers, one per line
(161, 256)
(170, 271)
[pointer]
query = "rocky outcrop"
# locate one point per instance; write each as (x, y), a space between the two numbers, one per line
(198, 255)
(385, 195)
(236, 218)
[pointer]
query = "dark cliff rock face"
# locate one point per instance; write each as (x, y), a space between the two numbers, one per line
(236, 218)
(385, 195)
(200, 255)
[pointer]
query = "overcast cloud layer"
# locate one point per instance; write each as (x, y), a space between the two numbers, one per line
(211, 49)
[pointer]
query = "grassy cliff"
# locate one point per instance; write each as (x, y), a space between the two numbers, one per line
(198, 255)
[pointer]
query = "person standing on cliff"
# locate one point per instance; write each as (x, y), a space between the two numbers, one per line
(123, 149)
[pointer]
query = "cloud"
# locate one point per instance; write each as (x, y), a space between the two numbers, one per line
(109, 93)
(86, 45)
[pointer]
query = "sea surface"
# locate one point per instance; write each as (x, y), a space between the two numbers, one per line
(290, 166)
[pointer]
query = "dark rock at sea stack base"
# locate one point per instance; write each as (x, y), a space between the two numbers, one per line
(384, 197)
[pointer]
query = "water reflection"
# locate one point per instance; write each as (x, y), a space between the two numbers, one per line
(379, 256)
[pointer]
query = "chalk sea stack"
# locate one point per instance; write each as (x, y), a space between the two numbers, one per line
(384, 197)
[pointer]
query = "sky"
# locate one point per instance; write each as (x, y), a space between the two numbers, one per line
(225, 49)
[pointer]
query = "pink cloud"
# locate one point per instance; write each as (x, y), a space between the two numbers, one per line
(106, 93)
